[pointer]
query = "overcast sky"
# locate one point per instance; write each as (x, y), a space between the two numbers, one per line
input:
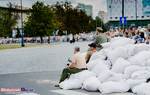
(98, 5)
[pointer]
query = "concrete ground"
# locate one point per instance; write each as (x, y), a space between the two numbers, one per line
(38, 69)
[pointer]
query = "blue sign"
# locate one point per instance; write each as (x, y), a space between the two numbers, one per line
(111, 26)
(123, 20)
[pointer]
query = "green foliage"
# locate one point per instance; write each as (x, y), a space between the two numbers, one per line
(6, 23)
(40, 21)
(71, 20)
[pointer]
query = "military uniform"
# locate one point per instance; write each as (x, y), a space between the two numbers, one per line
(99, 39)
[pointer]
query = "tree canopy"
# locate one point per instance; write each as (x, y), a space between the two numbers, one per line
(40, 21)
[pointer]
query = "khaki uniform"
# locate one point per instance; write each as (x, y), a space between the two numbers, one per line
(99, 39)
(80, 65)
(88, 55)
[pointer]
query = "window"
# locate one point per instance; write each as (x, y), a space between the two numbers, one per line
(147, 16)
(110, 17)
(116, 17)
(131, 16)
(142, 16)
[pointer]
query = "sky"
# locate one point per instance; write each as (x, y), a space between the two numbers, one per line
(98, 5)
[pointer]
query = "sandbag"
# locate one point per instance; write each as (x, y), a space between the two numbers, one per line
(83, 75)
(116, 53)
(104, 75)
(131, 69)
(134, 82)
(144, 74)
(106, 45)
(106, 62)
(91, 84)
(116, 77)
(97, 55)
(142, 89)
(70, 84)
(91, 64)
(120, 65)
(122, 42)
(130, 49)
(99, 67)
(141, 47)
(115, 39)
(111, 87)
(140, 58)
(147, 62)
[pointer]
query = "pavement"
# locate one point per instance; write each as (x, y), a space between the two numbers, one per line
(38, 69)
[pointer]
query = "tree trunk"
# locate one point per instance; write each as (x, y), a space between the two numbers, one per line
(48, 39)
(41, 39)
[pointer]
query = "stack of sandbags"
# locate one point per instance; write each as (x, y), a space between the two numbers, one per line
(119, 66)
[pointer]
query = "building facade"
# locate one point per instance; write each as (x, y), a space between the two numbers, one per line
(103, 16)
(114, 9)
(87, 8)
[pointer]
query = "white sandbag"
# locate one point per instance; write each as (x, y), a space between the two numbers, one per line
(131, 69)
(115, 39)
(111, 87)
(141, 47)
(99, 67)
(106, 62)
(106, 45)
(147, 63)
(142, 89)
(116, 53)
(122, 42)
(140, 58)
(83, 75)
(104, 75)
(130, 49)
(144, 74)
(134, 82)
(120, 65)
(97, 55)
(91, 84)
(84, 54)
(116, 77)
(91, 64)
(148, 68)
(70, 84)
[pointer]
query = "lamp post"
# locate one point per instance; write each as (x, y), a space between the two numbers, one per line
(136, 11)
(123, 13)
(22, 44)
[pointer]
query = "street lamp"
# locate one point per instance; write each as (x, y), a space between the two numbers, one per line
(123, 12)
(22, 44)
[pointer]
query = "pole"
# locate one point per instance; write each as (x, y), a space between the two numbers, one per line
(22, 44)
(123, 13)
(136, 11)
(96, 24)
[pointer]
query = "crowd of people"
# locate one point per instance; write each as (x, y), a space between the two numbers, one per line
(53, 39)
(140, 35)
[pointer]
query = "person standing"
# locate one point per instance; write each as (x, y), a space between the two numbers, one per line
(100, 38)
(78, 65)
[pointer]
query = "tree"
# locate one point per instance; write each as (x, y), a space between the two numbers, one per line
(40, 21)
(18, 33)
(6, 23)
